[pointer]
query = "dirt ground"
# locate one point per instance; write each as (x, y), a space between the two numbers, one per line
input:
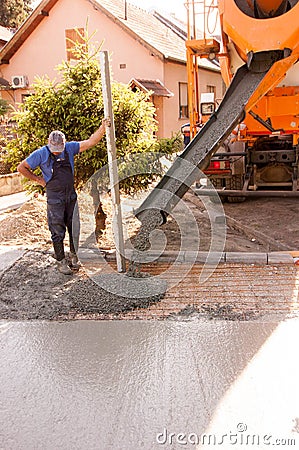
(33, 288)
(273, 219)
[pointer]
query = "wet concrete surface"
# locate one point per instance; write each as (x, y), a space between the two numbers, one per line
(137, 385)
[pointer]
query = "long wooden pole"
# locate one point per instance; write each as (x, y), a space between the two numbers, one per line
(112, 163)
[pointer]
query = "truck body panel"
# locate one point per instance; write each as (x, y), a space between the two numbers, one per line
(251, 141)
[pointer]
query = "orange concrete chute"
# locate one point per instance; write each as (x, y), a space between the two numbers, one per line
(259, 112)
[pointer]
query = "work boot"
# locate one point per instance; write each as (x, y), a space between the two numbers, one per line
(75, 263)
(58, 250)
(63, 267)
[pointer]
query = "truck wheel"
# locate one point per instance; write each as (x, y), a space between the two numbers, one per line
(218, 183)
(235, 182)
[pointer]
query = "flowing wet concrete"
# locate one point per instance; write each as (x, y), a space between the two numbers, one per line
(130, 385)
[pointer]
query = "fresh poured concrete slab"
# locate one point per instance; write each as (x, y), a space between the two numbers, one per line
(13, 201)
(149, 385)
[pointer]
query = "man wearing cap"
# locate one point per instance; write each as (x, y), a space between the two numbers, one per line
(56, 161)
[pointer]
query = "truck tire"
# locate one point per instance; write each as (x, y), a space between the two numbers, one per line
(218, 183)
(235, 182)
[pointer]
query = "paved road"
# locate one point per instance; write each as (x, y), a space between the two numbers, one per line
(13, 201)
(149, 385)
(10, 254)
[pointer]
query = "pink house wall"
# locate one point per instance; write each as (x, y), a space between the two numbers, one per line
(45, 48)
(175, 74)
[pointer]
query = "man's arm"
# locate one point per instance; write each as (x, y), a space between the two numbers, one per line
(96, 136)
(25, 170)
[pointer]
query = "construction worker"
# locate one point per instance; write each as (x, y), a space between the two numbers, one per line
(56, 161)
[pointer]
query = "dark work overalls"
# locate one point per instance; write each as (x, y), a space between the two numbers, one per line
(62, 212)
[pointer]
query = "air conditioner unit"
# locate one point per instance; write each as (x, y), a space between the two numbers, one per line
(19, 81)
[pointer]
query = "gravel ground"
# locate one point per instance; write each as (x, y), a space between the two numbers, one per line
(33, 289)
(275, 218)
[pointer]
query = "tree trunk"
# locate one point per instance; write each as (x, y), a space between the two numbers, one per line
(100, 216)
(100, 219)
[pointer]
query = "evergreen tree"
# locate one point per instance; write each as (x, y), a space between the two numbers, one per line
(74, 105)
(14, 12)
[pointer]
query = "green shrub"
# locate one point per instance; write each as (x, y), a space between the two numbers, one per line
(4, 107)
(74, 105)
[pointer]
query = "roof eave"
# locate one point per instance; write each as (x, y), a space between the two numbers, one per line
(128, 30)
(42, 11)
(180, 61)
(28, 26)
(143, 88)
(175, 60)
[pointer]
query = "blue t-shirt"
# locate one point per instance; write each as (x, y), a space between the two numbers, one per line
(42, 158)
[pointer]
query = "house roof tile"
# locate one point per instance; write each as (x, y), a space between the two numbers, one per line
(155, 86)
(151, 30)
(148, 28)
(144, 26)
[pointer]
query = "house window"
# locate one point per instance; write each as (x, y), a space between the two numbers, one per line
(72, 37)
(183, 100)
(211, 89)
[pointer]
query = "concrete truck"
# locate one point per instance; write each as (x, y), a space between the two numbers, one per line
(262, 152)
(258, 54)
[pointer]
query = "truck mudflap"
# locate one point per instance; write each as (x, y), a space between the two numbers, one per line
(187, 167)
